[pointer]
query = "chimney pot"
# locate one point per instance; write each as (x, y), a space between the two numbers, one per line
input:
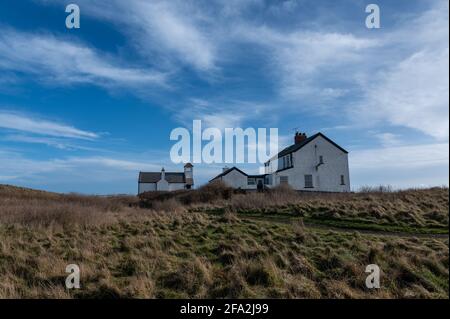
(299, 137)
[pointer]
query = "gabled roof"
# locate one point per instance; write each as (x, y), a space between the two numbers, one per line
(296, 147)
(228, 171)
(154, 177)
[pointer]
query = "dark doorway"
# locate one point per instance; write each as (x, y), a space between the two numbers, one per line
(260, 186)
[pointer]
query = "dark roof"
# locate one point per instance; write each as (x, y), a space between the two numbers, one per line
(188, 165)
(296, 147)
(154, 177)
(227, 171)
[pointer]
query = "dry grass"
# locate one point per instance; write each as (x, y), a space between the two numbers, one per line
(128, 252)
(415, 207)
(413, 210)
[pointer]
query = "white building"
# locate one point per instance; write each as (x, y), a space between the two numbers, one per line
(166, 181)
(236, 178)
(313, 163)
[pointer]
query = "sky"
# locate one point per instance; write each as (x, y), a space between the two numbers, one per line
(84, 110)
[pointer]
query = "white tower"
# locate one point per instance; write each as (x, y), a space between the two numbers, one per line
(189, 175)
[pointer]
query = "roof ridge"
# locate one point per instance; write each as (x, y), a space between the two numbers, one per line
(295, 147)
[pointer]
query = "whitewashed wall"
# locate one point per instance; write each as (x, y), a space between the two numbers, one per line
(146, 187)
(162, 185)
(235, 179)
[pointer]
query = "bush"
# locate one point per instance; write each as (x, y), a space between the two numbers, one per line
(206, 194)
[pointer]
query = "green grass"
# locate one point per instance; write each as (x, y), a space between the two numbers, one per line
(370, 226)
(343, 223)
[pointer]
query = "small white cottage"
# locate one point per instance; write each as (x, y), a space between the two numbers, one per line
(313, 163)
(166, 181)
(236, 178)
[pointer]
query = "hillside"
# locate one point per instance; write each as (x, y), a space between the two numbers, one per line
(215, 243)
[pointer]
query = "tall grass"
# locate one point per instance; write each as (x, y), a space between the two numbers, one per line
(178, 249)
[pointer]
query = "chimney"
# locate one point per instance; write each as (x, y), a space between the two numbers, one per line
(299, 137)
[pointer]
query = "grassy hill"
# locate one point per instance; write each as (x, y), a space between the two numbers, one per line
(216, 243)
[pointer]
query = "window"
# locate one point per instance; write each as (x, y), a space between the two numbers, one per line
(309, 181)
(286, 162)
(267, 167)
(342, 180)
(320, 159)
(251, 181)
(284, 180)
(268, 180)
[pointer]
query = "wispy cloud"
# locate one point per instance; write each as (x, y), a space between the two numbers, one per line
(413, 89)
(302, 59)
(401, 157)
(389, 139)
(115, 163)
(413, 93)
(59, 61)
(94, 174)
(168, 31)
(220, 113)
(30, 124)
(56, 142)
(174, 25)
(401, 166)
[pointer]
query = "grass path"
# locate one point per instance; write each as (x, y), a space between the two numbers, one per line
(343, 228)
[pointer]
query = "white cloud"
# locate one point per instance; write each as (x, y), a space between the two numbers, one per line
(61, 143)
(389, 139)
(220, 114)
(164, 31)
(116, 173)
(401, 157)
(401, 167)
(176, 30)
(397, 77)
(27, 123)
(303, 59)
(413, 93)
(412, 88)
(16, 164)
(114, 163)
(60, 61)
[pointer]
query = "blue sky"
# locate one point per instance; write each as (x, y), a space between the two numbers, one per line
(84, 110)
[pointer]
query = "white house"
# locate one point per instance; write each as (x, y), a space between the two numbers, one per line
(166, 181)
(236, 178)
(313, 163)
